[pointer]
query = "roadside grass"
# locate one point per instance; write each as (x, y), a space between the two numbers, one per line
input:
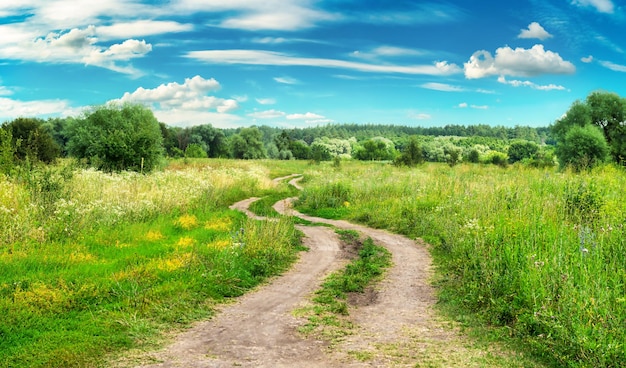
(534, 256)
(144, 266)
(329, 310)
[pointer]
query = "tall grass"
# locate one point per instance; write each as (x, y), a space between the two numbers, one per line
(121, 258)
(538, 252)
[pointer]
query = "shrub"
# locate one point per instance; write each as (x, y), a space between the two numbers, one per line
(582, 148)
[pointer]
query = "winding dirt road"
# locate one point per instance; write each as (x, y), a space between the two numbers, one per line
(399, 328)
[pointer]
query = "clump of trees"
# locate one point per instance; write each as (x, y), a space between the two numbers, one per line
(592, 131)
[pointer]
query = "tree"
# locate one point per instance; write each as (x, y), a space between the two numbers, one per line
(582, 147)
(7, 151)
(37, 143)
(412, 154)
(117, 137)
(300, 150)
(606, 111)
(248, 144)
(377, 148)
(195, 150)
(522, 149)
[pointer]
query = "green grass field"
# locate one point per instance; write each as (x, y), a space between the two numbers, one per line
(93, 265)
(538, 254)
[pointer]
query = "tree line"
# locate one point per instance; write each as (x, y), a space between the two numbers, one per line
(128, 137)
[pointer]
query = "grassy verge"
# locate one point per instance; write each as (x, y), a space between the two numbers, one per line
(90, 291)
(327, 317)
(536, 256)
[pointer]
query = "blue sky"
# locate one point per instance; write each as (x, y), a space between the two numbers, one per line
(299, 63)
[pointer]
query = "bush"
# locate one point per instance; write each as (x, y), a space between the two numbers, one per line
(195, 150)
(582, 148)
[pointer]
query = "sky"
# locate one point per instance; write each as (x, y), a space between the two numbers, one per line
(302, 63)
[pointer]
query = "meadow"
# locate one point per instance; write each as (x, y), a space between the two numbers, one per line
(93, 265)
(537, 255)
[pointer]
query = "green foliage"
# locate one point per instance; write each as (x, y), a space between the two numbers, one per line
(195, 150)
(8, 148)
(412, 154)
(117, 137)
(300, 150)
(520, 150)
(453, 154)
(583, 201)
(605, 110)
(248, 144)
(36, 144)
(376, 149)
(582, 148)
(320, 152)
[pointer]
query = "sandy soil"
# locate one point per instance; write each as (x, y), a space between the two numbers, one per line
(395, 327)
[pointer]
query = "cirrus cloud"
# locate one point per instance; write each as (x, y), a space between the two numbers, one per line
(261, 57)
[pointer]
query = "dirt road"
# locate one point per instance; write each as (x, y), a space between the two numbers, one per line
(398, 328)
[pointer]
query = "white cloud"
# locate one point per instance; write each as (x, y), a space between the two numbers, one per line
(603, 6)
(319, 121)
(77, 46)
(387, 51)
(11, 109)
(419, 116)
(186, 99)
(266, 101)
(307, 116)
(187, 118)
(518, 83)
(517, 62)
(286, 80)
(140, 28)
(479, 107)
(462, 105)
(4, 91)
(535, 30)
(587, 59)
(283, 16)
(614, 67)
(260, 57)
(268, 114)
(443, 87)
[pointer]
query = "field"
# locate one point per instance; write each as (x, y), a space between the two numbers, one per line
(95, 264)
(540, 255)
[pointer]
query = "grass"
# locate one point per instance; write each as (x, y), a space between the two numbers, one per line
(327, 315)
(126, 263)
(536, 255)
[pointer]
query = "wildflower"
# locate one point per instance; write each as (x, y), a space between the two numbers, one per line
(346, 204)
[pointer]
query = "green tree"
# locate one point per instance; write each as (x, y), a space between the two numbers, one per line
(412, 154)
(37, 142)
(248, 144)
(582, 147)
(608, 111)
(8, 148)
(117, 137)
(195, 150)
(376, 149)
(522, 149)
(300, 150)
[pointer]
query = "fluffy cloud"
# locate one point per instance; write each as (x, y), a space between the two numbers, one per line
(603, 6)
(191, 96)
(535, 30)
(74, 46)
(517, 62)
(261, 57)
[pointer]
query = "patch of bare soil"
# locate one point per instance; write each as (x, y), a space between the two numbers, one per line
(396, 323)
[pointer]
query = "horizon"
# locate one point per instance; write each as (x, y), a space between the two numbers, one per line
(307, 63)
